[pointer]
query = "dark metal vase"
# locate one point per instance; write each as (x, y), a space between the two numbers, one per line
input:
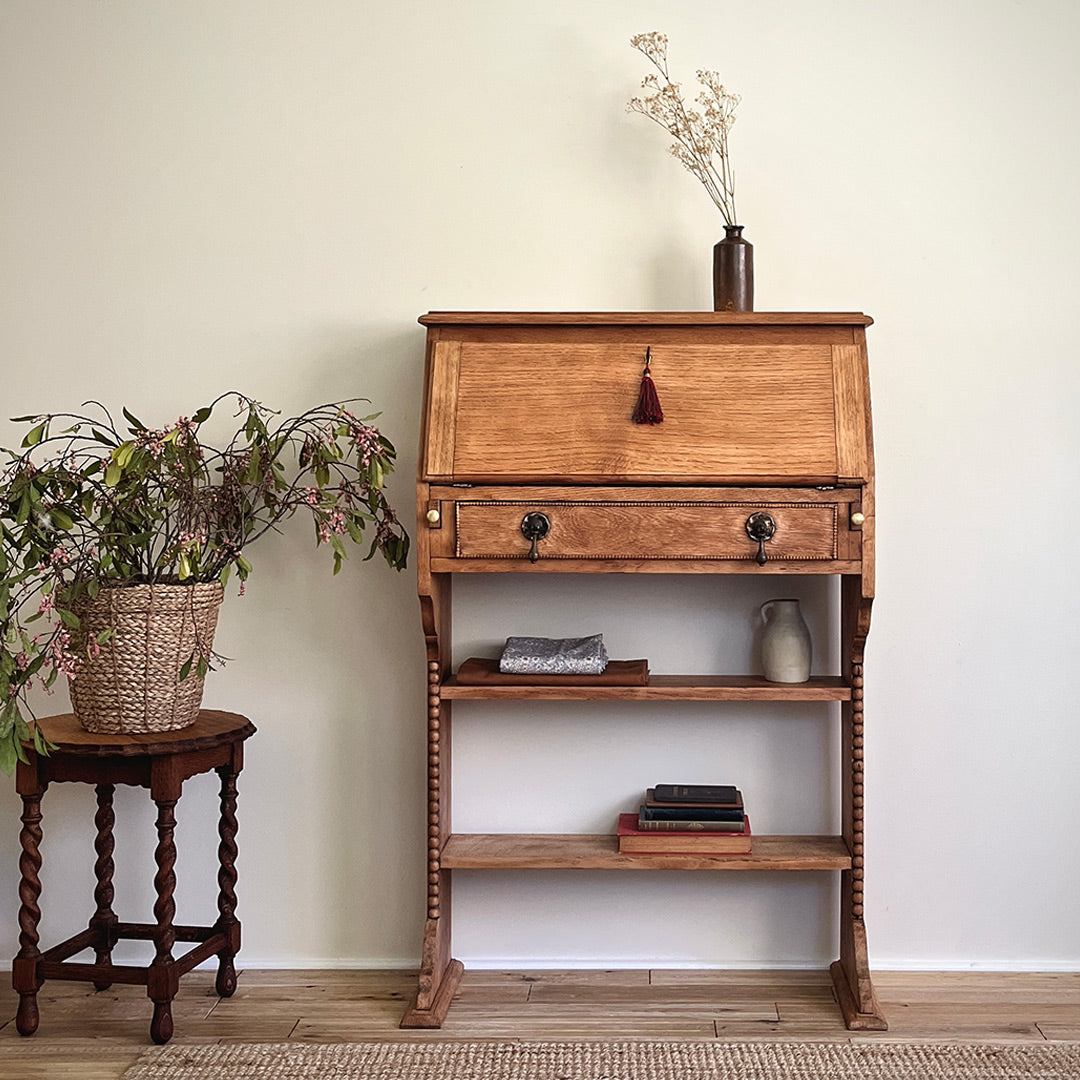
(733, 272)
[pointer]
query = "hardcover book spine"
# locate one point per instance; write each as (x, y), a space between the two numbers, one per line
(706, 793)
(685, 813)
(690, 826)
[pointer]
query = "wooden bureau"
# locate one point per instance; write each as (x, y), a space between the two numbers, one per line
(531, 463)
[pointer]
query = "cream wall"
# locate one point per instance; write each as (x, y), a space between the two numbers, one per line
(199, 196)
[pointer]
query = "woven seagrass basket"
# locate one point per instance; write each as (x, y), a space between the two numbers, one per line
(133, 686)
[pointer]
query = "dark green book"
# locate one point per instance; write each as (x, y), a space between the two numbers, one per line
(685, 819)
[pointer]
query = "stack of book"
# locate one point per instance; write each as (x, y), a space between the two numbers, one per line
(700, 819)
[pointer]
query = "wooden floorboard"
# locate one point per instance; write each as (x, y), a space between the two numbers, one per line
(85, 1035)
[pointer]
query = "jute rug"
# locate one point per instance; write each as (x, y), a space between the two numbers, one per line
(610, 1061)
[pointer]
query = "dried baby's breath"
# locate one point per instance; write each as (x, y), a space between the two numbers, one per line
(701, 134)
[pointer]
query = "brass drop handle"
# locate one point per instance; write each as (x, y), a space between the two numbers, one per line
(535, 527)
(761, 527)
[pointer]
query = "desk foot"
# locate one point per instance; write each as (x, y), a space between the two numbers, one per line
(434, 1016)
(856, 1018)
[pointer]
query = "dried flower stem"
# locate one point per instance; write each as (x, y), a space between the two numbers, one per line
(701, 138)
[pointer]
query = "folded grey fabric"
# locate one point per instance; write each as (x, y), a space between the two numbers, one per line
(554, 656)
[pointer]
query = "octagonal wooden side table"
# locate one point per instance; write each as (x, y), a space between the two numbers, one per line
(160, 762)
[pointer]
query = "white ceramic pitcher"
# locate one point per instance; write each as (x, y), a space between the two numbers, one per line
(785, 642)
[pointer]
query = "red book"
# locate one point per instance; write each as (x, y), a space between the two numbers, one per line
(633, 841)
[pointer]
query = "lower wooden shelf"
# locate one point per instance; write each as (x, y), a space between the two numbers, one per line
(558, 851)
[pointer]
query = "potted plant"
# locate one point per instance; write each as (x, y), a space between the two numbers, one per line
(115, 547)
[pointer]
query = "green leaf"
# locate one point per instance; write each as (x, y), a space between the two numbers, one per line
(122, 454)
(61, 519)
(137, 424)
(202, 415)
(23, 513)
(35, 434)
(185, 669)
(68, 618)
(105, 635)
(8, 755)
(112, 475)
(41, 744)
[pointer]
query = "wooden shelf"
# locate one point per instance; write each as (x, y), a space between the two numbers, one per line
(551, 851)
(664, 688)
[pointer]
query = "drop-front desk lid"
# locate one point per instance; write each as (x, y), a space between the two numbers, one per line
(747, 398)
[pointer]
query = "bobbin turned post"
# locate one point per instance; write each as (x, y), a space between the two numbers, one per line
(851, 973)
(439, 974)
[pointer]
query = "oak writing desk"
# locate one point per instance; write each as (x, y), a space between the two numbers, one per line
(530, 463)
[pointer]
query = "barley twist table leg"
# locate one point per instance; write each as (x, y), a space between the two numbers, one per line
(104, 920)
(162, 979)
(225, 983)
(24, 973)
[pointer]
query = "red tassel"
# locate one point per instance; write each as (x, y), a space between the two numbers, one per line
(647, 410)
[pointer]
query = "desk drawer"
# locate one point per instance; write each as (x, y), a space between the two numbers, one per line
(625, 529)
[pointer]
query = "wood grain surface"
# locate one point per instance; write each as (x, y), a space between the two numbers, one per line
(88, 1035)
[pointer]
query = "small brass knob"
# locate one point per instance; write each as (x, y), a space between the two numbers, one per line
(857, 519)
(433, 516)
